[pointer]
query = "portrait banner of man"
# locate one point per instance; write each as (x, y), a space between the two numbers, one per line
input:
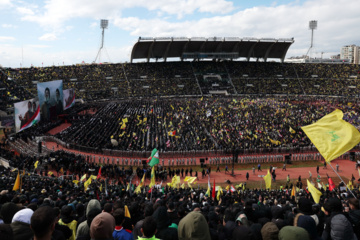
(51, 99)
(69, 98)
(27, 113)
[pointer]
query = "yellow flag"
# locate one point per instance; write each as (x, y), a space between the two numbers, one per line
(127, 212)
(332, 135)
(101, 188)
(293, 191)
(123, 126)
(267, 179)
(152, 180)
(75, 181)
(315, 193)
(61, 170)
(359, 171)
(291, 130)
(189, 179)
(87, 183)
(93, 177)
(36, 164)
(83, 178)
(17, 183)
(275, 142)
(50, 173)
(190, 186)
(183, 186)
(138, 188)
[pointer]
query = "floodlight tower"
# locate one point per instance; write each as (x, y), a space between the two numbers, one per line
(104, 23)
(312, 27)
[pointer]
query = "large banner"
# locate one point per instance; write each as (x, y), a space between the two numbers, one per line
(69, 98)
(51, 99)
(27, 113)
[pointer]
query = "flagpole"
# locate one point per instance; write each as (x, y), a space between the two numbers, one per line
(342, 180)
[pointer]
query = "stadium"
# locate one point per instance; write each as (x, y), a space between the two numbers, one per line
(193, 105)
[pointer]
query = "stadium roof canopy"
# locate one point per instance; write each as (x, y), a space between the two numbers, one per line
(210, 48)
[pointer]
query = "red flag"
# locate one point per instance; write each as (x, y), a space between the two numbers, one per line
(331, 184)
(99, 174)
(213, 192)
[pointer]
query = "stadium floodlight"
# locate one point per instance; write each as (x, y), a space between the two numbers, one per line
(104, 23)
(312, 27)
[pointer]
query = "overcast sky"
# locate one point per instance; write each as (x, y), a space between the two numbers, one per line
(68, 31)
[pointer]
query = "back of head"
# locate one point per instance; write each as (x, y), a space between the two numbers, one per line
(293, 233)
(149, 227)
(102, 226)
(42, 221)
(269, 231)
(119, 216)
(305, 206)
(8, 211)
(193, 227)
(333, 205)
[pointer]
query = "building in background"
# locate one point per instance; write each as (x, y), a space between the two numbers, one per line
(351, 52)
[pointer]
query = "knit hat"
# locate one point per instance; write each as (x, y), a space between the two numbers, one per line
(23, 216)
(102, 226)
(293, 233)
(308, 223)
(269, 231)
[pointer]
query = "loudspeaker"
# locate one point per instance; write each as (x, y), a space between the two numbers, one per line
(39, 147)
(352, 156)
(202, 160)
(288, 159)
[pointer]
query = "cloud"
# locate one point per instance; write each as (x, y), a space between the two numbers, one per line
(5, 4)
(25, 11)
(4, 25)
(5, 39)
(55, 14)
(48, 37)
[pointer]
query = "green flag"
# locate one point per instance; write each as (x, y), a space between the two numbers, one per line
(154, 158)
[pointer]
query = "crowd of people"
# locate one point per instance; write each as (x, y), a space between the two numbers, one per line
(188, 124)
(93, 82)
(49, 207)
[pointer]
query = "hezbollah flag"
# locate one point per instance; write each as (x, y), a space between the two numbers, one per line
(36, 164)
(267, 179)
(17, 183)
(138, 188)
(332, 135)
(315, 193)
(152, 180)
(154, 158)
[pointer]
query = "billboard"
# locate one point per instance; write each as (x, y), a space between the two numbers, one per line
(69, 98)
(27, 113)
(50, 99)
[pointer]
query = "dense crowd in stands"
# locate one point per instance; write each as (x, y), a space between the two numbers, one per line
(93, 82)
(202, 123)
